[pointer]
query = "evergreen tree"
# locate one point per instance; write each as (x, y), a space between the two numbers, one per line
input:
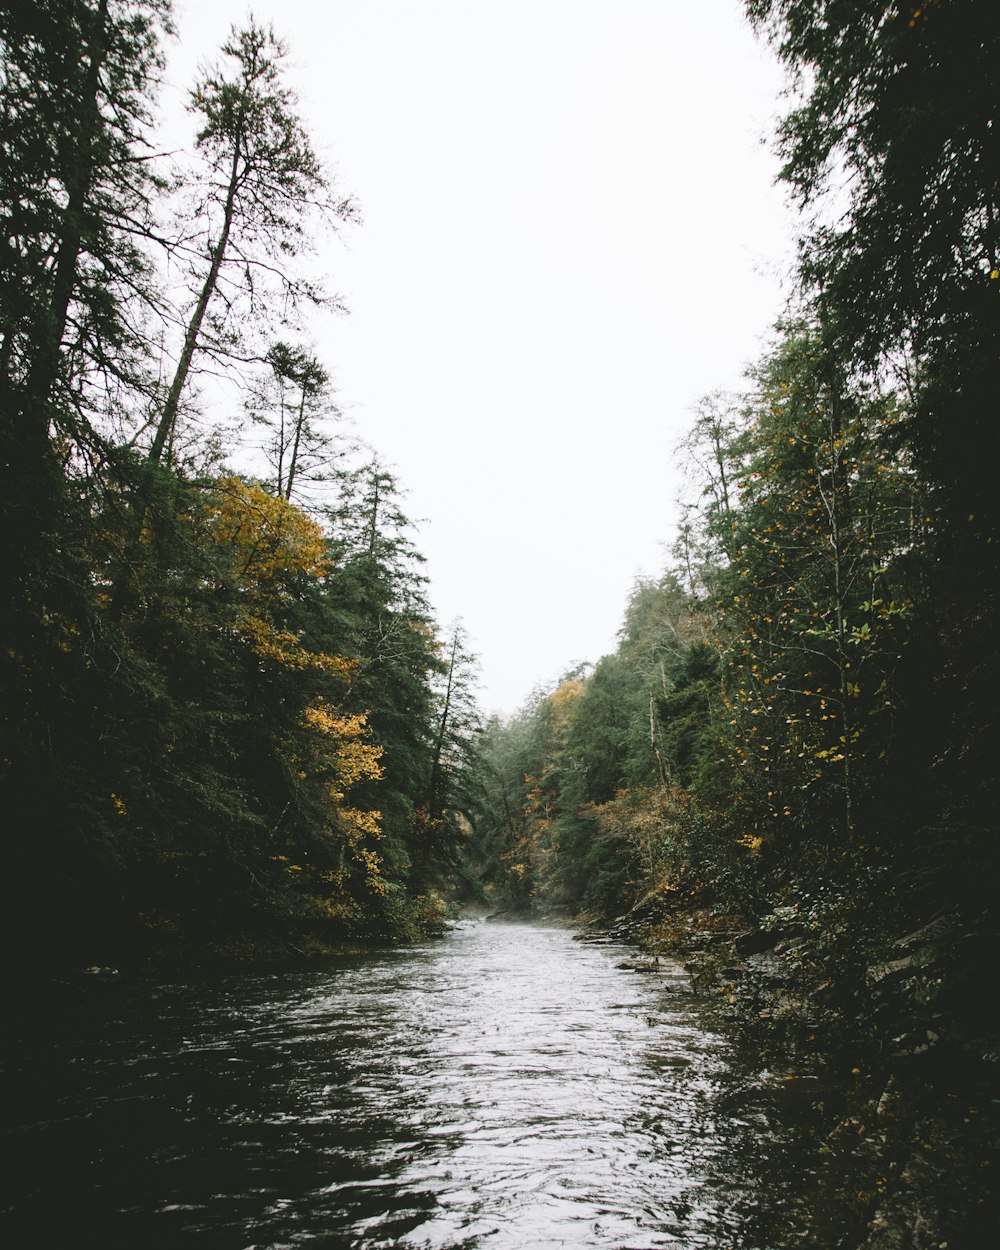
(295, 404)
(452, 753)
(376, 608)
(218, 718)
(75, 188)
(262, 189)
(901, 106)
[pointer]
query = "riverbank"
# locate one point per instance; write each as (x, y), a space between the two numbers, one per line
(159, 946)
(909, 1118)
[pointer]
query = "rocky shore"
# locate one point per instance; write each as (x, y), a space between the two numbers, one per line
(906, 1073)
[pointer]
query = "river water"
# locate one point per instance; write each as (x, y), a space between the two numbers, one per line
(507, 1087)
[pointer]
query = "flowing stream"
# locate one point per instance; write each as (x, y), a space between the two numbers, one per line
(507, 1087)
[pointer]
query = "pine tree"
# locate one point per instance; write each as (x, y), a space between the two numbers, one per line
(262, 191)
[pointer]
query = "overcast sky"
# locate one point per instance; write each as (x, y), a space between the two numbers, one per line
(569, 234)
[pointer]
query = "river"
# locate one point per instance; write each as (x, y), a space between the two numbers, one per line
(507, 1087)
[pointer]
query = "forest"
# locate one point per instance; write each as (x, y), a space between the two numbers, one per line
(231, 722)
(786, 770)
(233, 731)
(798, 725)
(231, 726)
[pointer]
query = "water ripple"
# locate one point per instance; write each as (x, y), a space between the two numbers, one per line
(507, 1088)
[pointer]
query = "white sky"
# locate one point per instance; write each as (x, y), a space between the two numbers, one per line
(570, 234)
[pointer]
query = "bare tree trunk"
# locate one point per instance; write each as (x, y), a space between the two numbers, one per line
(295, 445)
(832, 506)
(661, 764)
(373, 539)
(172, 403)
(435, 807)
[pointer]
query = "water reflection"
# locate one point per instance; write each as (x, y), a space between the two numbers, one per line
(507, 1087)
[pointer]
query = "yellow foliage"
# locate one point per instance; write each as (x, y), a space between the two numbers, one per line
(373, 866)
(563, 702)
(353, 760)
(270, 537)
(270, 541)
(284, 648)
(333, 724)
(356, 760)
(364, 823)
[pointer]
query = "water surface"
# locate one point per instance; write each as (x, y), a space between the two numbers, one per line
(507, 1088)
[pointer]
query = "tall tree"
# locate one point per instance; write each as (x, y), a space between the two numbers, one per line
(904, 100)
(814, 594)
(75, 97)
(892, 146)
(75, 184)
(457, 724)
(75, 86)
(263, 188)
(376, 612)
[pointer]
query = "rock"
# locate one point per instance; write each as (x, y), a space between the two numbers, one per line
(756, 941)
(929, 933)
(768, 968)
(888, 1110)
(641, 965)
(894, 968)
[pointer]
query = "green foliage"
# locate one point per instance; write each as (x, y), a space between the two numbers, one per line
(577, 805)
(903, 100)
(753, 737)
(294, 402)
(219, 713)
(819, 670)
(685, 712)
(895, 121)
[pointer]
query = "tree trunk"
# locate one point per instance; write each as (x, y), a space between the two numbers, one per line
(661, 765)
(435, 805)
(172, 403)
(295, 445)
(832, 506)
(31, 433)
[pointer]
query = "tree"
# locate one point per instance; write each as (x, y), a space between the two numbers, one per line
(191, 762)
(75, 94)
(74, 203)
(907, 276)
(263, 188)
(815, 607)
(893, 147)
(76, 181)
(501, 851)
(524, 839)
(293, 403)
(904, 101)
(441, 819)
(457, 723)
(375, 611)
